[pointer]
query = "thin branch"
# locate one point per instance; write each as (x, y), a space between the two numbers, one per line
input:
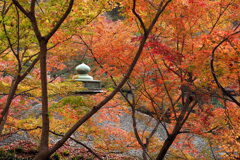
(60, 21)
(6, 33)
(18, 41)
(25, 92)
(134, 125)
(84, 145)
(211, 149)
(151, 134)
(30, 68)
(37, 59)
(169, 68)
(138, 17)
(26, 13)
(96, 60)
(213, 70)
(189, 112)
(3, 51)
(220, 15)
(60, 135)
(40, 7)
(151, 3)
(31, 16)
(165, 86)
(7, 8)
(165, 128)
(160, 11)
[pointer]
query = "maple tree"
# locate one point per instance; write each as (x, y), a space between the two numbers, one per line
(16, 60)
(174, 61)
(23, 58)
(43, 41)
(170, 76)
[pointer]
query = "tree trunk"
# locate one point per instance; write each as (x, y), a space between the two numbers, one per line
(180, 122)
(3, 122)
(168, 142)
(45, 118)
(42, 155)
(5, 111)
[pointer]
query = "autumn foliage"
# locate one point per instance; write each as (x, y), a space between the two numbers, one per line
(178, 59)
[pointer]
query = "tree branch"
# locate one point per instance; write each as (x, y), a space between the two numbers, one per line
(26, 13)
(60, 21)
(60, 135)
(115, 91)
(138, 17)
(32, 8)
(213, 70)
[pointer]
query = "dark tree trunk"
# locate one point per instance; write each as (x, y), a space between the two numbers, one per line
(42, 155)
(168, 142)
(45, 118)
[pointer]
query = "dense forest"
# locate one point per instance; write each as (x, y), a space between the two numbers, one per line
(119, 79)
